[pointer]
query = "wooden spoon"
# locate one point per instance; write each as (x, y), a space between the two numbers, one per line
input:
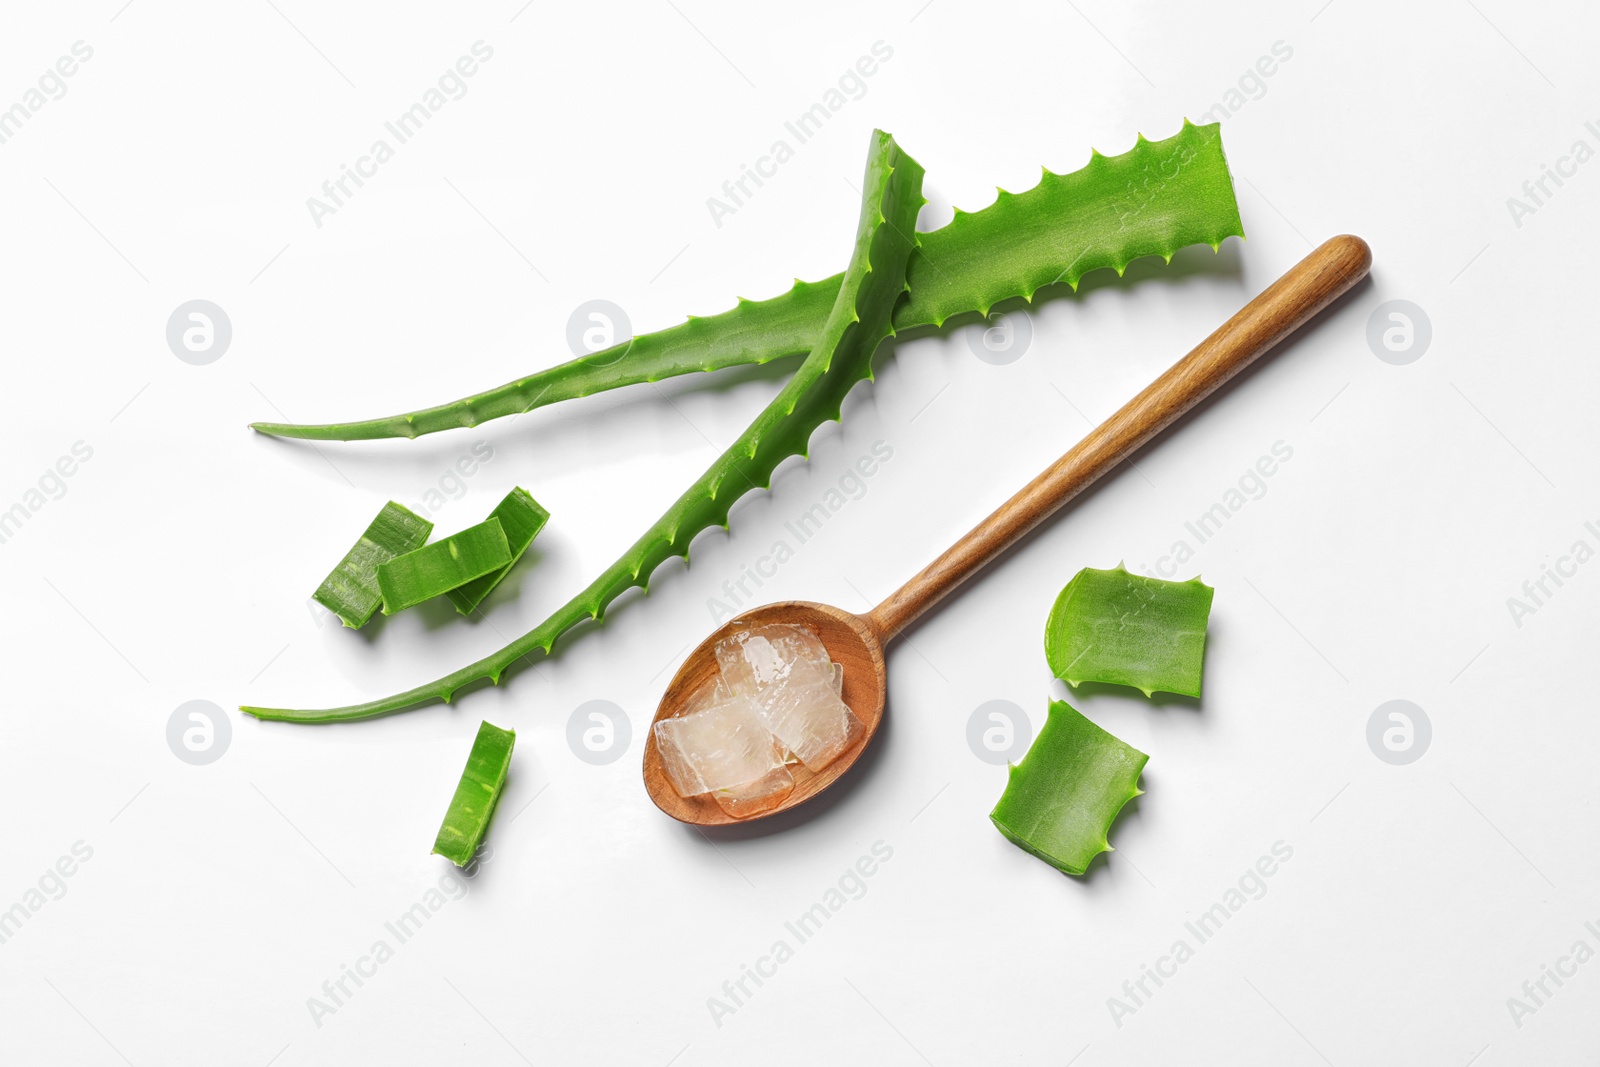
(857, 641)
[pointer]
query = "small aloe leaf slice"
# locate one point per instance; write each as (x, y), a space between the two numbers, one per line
(521, 518)
(1127, 629)
(408, 580)
(1060, 801)
(477, 795)
(350, 591)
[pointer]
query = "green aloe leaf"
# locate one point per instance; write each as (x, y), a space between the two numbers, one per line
(1127, 629)
(521, 518)
(477, 795)
(408, 580)
(860, 319)
(1150, 201)
(351, 591)
(1060, 801)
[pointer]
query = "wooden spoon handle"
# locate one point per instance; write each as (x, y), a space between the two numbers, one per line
(1307, 288)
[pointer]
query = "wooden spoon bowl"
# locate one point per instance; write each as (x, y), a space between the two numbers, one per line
(857, 641)
(851, 641)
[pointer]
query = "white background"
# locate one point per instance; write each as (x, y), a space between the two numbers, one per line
(1377, 566)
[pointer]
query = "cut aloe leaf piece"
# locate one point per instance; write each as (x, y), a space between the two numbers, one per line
(408, 580)
(1061, 799)
(521, 518)
(351, 590)
(477, 795)
(1127, 629)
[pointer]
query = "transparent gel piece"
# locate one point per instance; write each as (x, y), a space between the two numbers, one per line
(760, 659)
(709, 695)
(720, 746)
(752, 798)
(800, 643)
(684, 776)
(811, 722)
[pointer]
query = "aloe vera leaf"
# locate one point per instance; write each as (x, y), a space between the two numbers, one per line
(1060, 801)
(754, 331)
(1150, 201)
(476, 796)
(350, 591)
(874, 281)
(1127, 629)
(521, 518)
(408, 580)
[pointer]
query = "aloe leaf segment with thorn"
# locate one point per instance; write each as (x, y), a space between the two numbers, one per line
(1129, 629)
(1060, 801)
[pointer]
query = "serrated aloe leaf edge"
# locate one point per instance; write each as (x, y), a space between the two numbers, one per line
(1060, 801)
(1152, 200)
(1119, 628)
